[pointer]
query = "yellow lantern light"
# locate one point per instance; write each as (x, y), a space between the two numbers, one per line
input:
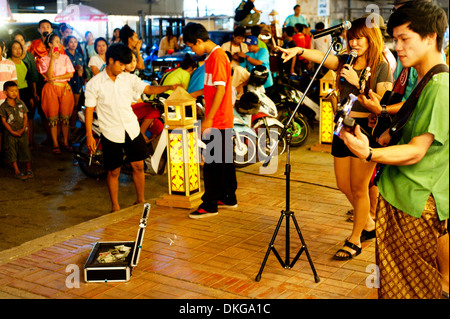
(182, 151)
(327, 110)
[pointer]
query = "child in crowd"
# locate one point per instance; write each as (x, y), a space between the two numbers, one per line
(219, 174)
(7, 72)
(13, 113)
(14, 53)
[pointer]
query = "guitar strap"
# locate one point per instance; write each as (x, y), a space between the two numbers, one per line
(405, 112)
(402, 82)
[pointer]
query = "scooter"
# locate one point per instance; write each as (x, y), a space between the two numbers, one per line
(265, 122)
(244, 140)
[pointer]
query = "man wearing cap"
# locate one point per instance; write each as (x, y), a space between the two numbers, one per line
(257, 56)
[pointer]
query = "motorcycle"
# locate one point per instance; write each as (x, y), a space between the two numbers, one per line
(264, 122)
(286, 98)
(92, 164)
(244, 139)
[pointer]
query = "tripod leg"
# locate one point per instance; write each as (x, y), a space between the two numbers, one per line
(304, 248)
(258, 277)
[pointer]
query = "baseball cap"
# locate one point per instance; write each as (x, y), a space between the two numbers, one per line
(251, 40)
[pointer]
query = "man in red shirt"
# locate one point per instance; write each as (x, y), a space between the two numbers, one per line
(219, 171)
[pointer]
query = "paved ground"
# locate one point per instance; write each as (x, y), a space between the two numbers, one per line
(58, 197)
(218, 257)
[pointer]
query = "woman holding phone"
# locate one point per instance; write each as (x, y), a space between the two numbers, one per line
(57, 96)
(353, 175)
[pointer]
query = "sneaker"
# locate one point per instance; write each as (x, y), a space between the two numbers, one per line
(231, 205)
(201, 213)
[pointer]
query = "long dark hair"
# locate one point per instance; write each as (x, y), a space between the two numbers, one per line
(169, 33)
(125, 33)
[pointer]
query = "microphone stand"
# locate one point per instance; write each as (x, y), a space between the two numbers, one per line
(287, 212)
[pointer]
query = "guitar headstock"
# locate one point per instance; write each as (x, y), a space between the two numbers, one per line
(363, 79)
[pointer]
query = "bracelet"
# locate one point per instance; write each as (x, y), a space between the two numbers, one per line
(303, 51)
(383, 110)
(370, 155)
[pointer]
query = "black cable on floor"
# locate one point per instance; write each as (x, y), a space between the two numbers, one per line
(292, 180)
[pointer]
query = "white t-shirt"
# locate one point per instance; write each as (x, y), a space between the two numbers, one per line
(112, 100)
(98, 62)
(322, 44)
(227, 46)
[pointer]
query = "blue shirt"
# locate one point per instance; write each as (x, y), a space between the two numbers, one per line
(262, 55)
(197, 79)
(76, 82)
(292, 20)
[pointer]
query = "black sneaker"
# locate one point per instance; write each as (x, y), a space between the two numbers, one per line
(201, 213)
(228, 205)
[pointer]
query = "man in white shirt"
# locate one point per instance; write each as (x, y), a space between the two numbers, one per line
(111, 93)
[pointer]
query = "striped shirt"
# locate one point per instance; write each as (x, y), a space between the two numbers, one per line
(7, 73)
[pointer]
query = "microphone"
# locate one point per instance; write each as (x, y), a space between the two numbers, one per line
(338, 28)
(351, 59)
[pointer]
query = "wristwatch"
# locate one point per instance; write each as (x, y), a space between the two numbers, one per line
(383, 111)
(369, 158)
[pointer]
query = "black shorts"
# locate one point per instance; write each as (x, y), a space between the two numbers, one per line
(113, 153)
(338, 147)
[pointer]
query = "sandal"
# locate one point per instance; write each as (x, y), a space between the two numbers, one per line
(349, 254)
(366, 235)
(21, 176)
(30, 174)
(67, 148)
(56, 150)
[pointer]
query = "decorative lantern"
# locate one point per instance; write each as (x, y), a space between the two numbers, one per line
(328, 104)
(275, 27)
(274, 17)
(182, 151)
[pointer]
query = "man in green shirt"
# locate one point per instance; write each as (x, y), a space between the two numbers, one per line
(413, 204)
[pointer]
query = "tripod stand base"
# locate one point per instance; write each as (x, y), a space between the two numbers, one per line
(287, 264)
